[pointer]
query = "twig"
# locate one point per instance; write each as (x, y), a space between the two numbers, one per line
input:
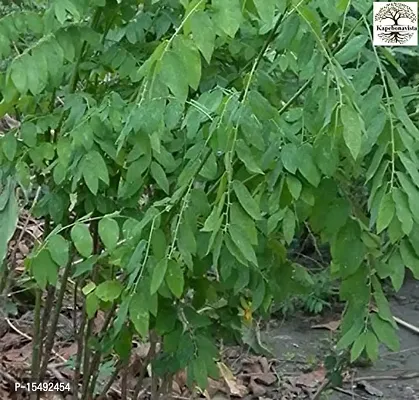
(409, 350)
(30, 339)
(349, 393)
(57, 374)
(150, 356)
(408, 375)
(50, 339)
(321, 389)
(406, 325)
(80, 349)
(110, 381)
(37, 341)
(7, 376)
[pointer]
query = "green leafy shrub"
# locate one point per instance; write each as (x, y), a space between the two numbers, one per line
(180, 145)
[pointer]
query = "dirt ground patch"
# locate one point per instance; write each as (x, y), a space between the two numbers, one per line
(296, 345)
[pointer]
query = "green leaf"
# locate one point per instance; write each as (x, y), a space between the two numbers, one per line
(64, 150)
(210, 168)
(397, 273)
(122, 314)
(5, 193)
(58, 248)
(351, 335)
(186, 238)
(352, 129)
(412, 193)
(18, 74)
(348, 250)
(191, 58)
(294, 186)
(274, 219)
(288, 225)
(371, 346)
(109, 232)
(91, 180)
(311, 17)
(242, 242)
(402, 210)
(326, 154)
(135, 261)
(158, 174)
(239, 217)
(139, 314)
(265, 9)
(381, 301)
(94, 169)
(158, 274)
(203, 33)
(364, 76)
(172, 74)
(29, 133)
(85, 266)
(227, 15)
(92, 305)
(88, 288)
(400, 109)
(80, 235)
(409, 257)
(9, 146)
(246, 156)
(212, 221)
(197, 372)
(8, 221)
(385, 212)
(306, 165)
(289, 157)
(109, 290)
(385, 332)
(261, 108)
(358, 346)
(159, 244)
(351, 49)
(174, 278)
(246, 200)
(411, 168)
(258, 295)
(134, 180)
(44, 269)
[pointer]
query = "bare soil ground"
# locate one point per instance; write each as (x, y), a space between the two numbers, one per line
(297, 345)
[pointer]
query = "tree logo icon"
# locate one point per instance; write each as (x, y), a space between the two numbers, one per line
(395, 24)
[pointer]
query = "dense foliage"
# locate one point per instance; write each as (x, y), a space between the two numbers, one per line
(180, 146)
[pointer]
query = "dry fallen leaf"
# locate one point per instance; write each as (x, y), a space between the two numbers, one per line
(332, 326)
(216, 387)
(236, 388)
(69, 351)
(267, 379)
(19, 355)
(257, 390)
(264, 364)
(370, 389)
(310, 379)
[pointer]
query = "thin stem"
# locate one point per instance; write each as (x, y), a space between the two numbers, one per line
(79, 356)
(111, 380)
(95, 364)
(150, 356)
(36, 348)
(49, 343)
(47, 313)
